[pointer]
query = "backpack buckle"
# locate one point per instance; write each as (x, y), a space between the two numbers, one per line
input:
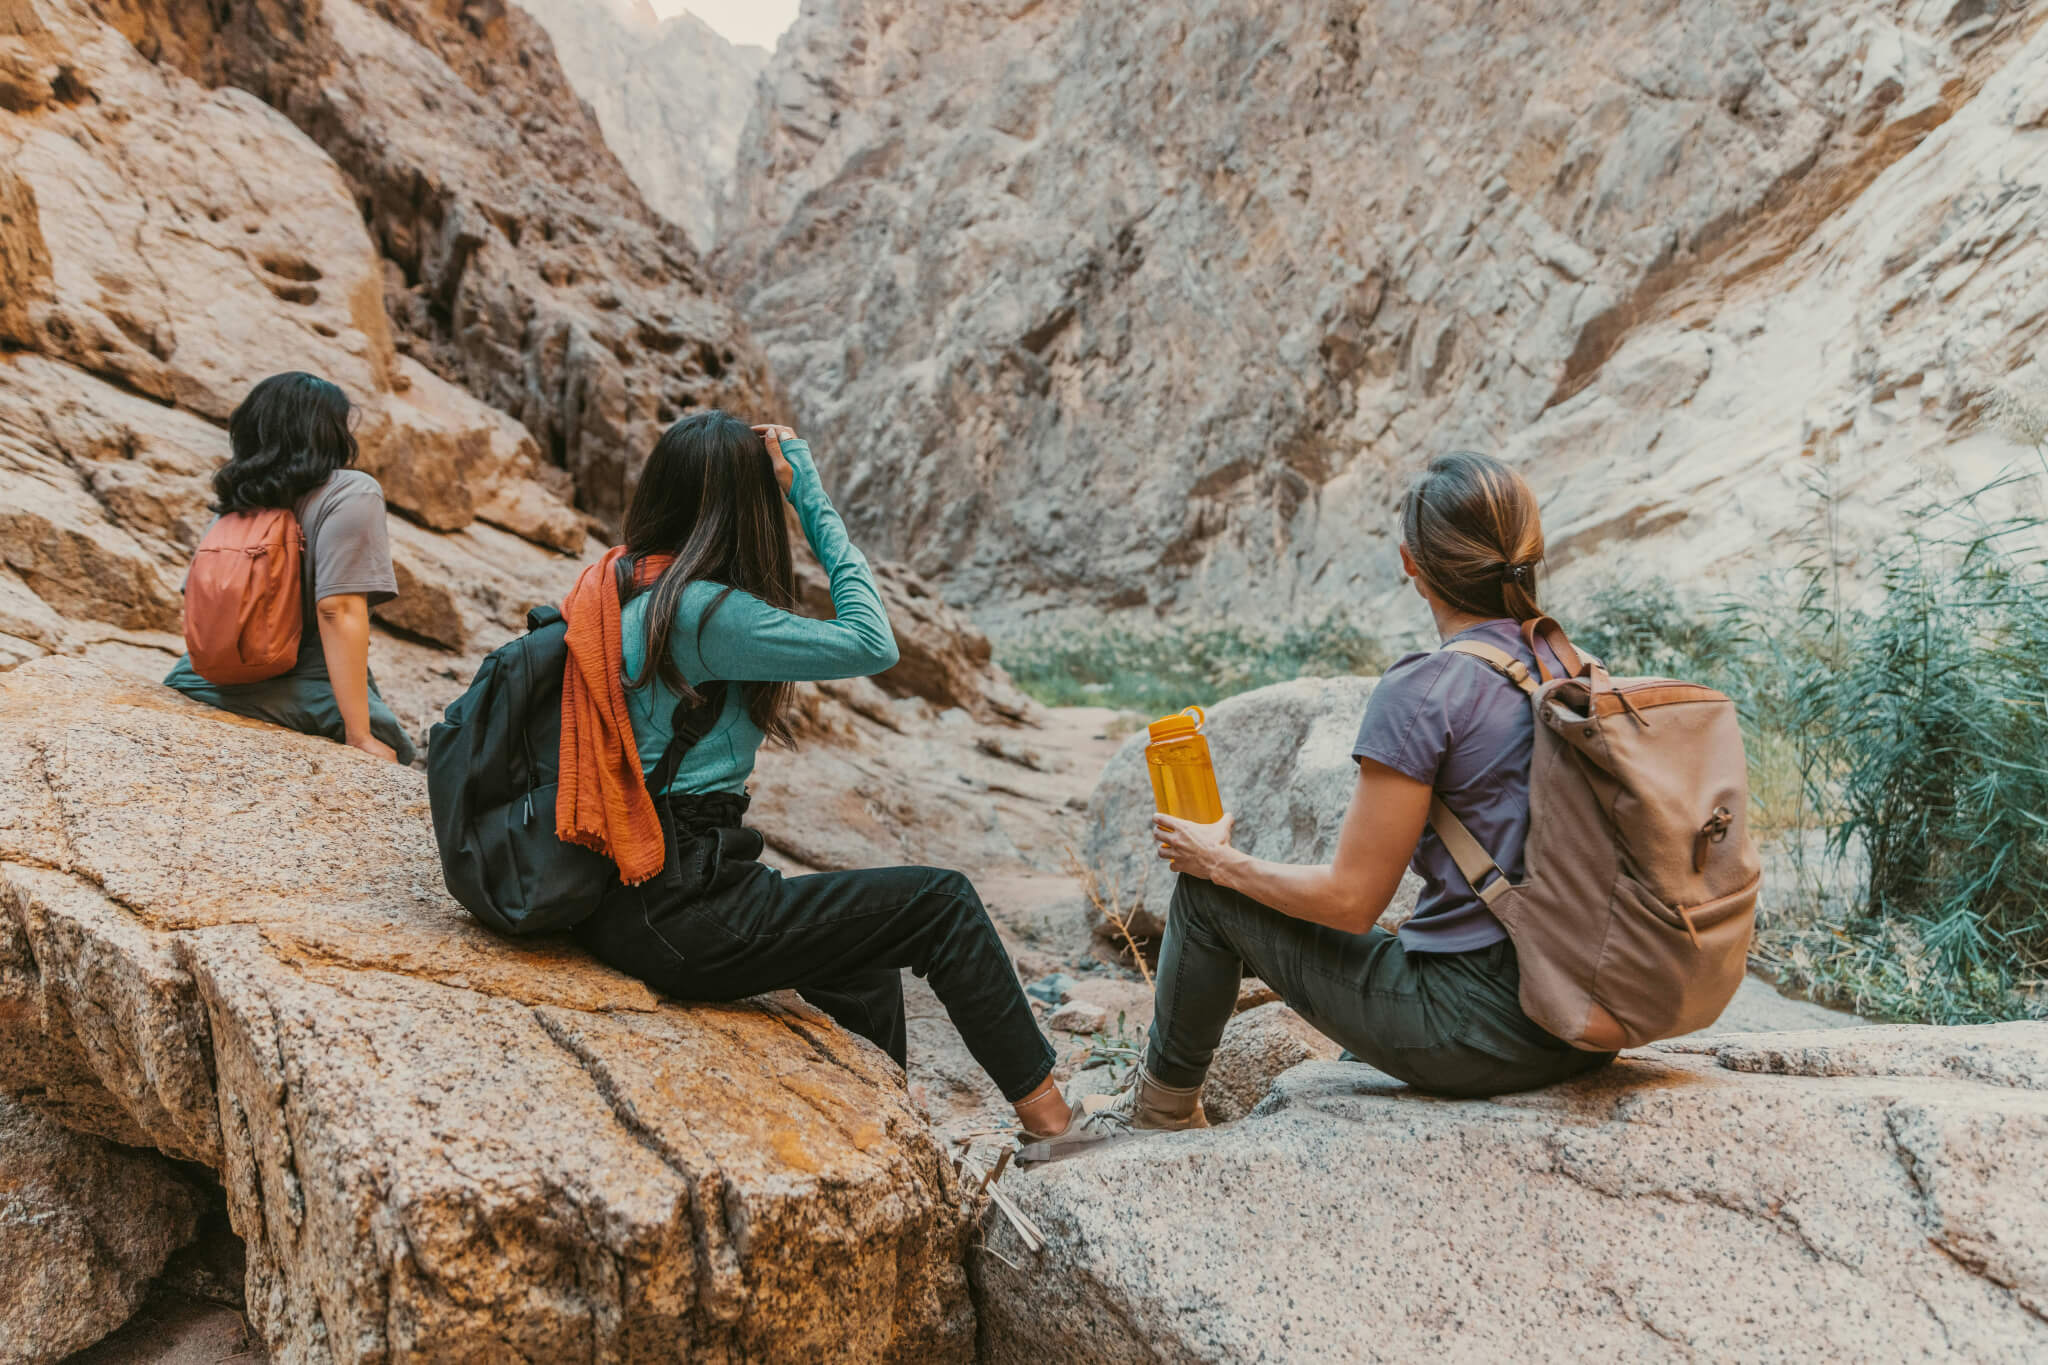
(1714, 831)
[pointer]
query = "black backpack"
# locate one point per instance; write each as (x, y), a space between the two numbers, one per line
(493, 764)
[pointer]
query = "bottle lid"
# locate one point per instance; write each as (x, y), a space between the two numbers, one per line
(1179, 725)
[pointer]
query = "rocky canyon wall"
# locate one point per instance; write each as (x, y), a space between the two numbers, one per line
(1160, 306)
(516, 259)
(672, 96)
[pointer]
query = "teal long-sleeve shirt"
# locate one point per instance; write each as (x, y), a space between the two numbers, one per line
(747, 640)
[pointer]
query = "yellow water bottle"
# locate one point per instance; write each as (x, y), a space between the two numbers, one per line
(1183, 777)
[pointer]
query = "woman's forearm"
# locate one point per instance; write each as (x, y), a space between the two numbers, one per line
(345, 643)
(1307, 892)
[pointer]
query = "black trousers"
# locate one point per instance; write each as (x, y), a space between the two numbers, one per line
(736, 927)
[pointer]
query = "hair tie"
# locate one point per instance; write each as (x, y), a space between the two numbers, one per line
(1516, 573)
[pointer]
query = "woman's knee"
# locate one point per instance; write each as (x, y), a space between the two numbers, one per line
(1200, 907)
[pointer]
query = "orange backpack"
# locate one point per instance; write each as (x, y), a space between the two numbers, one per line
(1634, 919)
(244, 602)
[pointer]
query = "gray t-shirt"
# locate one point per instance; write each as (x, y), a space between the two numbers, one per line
(348, 549)
(1452, 721)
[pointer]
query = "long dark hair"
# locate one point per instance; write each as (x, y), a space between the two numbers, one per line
(708, 496)
(1471, 524)
(285, 439)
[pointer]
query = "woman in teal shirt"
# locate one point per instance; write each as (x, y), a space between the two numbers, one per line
(718, 627)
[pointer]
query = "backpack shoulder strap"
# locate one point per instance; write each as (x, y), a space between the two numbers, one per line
(1552, 634)
(690, 723)
(1504, 663)
(1480, 870)
(1484, 875)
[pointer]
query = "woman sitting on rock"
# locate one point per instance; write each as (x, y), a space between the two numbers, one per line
(291, 449)
(1436, 1005)
(707, 618)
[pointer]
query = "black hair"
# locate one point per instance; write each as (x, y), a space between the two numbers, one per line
(708, 496)
(286, 438)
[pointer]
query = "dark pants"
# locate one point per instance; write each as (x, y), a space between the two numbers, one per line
(1449, 1023)
(840, 939)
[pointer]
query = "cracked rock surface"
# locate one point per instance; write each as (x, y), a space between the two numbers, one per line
(231, 943)
(1749, 1197)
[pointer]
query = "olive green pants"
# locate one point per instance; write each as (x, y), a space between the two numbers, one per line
(1448, 1023)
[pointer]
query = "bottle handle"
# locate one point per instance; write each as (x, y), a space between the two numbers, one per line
(1201, 716)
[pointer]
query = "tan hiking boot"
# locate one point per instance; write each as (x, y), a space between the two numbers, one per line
(1142, 1108)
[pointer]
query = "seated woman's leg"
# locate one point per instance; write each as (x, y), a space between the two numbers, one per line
(827, 935)
(869, 1003)
(1447, 1024)
(301, 700)
(1214, 937)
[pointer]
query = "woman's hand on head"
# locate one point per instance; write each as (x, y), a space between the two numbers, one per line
(773, 436)
(1193, 849)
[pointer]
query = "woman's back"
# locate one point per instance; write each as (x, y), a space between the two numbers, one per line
(726, 633)
(1451, 721)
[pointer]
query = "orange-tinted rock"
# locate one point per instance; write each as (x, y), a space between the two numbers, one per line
(232, 943)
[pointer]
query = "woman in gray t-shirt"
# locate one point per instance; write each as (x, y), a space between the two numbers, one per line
(1436, 1005)
(291, 447)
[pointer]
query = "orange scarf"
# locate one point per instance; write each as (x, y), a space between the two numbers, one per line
(603, 802)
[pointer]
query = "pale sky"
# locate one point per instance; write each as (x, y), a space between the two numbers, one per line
(759, 22)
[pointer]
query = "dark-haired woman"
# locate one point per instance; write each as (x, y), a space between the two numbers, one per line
(1436, 1005)
(708, 619)
(290, 446)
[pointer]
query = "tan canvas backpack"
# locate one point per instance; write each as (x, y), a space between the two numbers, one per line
(244, 600)
(1634, 918)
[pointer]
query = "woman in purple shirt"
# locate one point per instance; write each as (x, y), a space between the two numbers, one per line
(1437, 1004)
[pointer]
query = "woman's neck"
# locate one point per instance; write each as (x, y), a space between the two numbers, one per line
(1450, 621)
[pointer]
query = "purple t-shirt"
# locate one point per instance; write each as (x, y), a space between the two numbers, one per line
(1454, 722)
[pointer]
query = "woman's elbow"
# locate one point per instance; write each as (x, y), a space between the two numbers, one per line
(883, 654)
(1359, 914)
(341, 607)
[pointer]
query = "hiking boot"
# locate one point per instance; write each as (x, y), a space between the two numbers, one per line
(1142, 1108)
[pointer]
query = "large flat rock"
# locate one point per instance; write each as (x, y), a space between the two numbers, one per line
(231, 943)
(1870, 1193)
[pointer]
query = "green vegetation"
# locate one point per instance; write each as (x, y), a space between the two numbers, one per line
(1157, 670)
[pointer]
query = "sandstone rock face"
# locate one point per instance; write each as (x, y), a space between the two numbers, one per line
(1773, 1196)
(165, 246)
(672, 96)
(84, 1227)
(1284, 767)
(231, 943)
(516, 259)
(132, 347)
(1160, 306)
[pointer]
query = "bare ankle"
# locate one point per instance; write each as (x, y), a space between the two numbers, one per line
(1044, 1112)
